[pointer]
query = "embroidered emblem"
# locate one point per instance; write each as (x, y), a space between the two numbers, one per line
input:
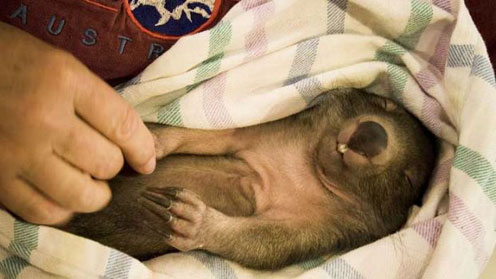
(172, 18)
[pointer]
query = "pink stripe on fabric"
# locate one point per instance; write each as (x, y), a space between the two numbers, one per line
(429, 230)
(443, 4)
(213, 103)
(256, 39)
(441, 52)
(432, 114)
(426, 79)
(250, 4)
(442, 172)
(469, 225)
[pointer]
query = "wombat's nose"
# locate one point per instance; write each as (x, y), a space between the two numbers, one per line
(369, 139)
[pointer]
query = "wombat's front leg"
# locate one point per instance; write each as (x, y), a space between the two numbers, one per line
(174, 140)
(186, 223)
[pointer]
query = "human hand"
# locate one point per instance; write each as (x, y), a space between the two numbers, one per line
(62, 132)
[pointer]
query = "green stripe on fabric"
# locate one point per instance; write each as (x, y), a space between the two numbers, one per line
(209, 67)
(420, 16)
(25, 241)
(220, 37)
(12, 266)
(398, 77)
(391, 52)
(191, 87)
(313, 263)
(478, 168)
(171, 114)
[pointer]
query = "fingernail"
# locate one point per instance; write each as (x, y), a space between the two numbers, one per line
(149, 167)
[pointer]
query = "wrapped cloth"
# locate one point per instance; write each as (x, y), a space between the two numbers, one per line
(269, 59)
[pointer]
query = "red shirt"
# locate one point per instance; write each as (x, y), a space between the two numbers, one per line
(114, 38)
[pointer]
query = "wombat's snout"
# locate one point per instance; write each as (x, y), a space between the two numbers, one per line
(367, 138)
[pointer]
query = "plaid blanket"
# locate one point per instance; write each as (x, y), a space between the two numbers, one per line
(270, 59)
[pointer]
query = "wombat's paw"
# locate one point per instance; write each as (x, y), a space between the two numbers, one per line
(177, 214)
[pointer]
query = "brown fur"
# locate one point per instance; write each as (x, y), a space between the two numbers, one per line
(262, 195)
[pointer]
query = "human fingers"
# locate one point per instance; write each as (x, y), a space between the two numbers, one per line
(31, 205)
(88, 150)
(99, 105)
(67, 185)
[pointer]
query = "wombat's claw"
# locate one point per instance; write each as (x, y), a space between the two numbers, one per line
(180, 211)
(168, 191)
(163, 231)
(156, 208)
(158, 198)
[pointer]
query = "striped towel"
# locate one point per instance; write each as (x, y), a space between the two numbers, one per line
(270, 59)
